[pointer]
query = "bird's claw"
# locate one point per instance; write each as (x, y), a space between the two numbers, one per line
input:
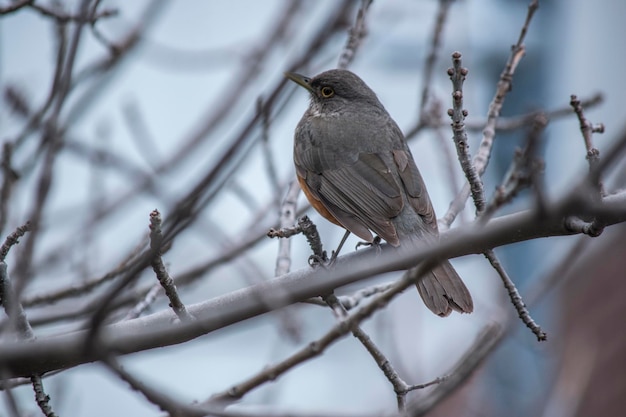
(317, 260)
(375, 243)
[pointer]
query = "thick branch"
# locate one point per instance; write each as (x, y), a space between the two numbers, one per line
(157, 330)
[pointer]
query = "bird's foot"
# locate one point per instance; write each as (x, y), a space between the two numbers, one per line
(375, 243)
(321, 260)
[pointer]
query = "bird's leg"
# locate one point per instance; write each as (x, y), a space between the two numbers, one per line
(375, 243)
(316, 260)
(335, 253)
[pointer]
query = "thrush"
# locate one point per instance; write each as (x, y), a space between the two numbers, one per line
(356, 169)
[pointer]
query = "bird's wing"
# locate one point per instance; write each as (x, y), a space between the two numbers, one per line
(415, 187)
(360, 191)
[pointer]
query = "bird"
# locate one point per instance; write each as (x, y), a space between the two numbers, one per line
(356, 169)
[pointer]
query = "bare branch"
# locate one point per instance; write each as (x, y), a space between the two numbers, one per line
(63, 17)
(587, 130)
(15, 311)
(156, 241)
(287, 219)
(429, 65)
(457, 74)
(481, 159)
(15, 6)
(516, 298)
(357, 33)
(270, 162)
(13, 239)
(42, 399)
(157, 330)
(523, 172)
(309, 230)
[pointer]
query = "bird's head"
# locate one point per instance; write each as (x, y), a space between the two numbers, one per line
(336, 90)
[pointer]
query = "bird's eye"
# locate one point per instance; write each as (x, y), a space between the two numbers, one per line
(327, 92)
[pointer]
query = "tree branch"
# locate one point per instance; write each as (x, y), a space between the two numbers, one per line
(156, 330)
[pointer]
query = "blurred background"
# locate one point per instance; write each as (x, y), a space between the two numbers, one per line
(163, 89)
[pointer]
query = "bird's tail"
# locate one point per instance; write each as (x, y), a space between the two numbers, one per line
(443, 291)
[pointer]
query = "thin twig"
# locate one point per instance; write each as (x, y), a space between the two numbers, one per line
(400, 387)
(504, 86)
(588, 129)
(156, 242)
(63, 17)
(435, 381)
(523, 172)
(457, 113)
(351, 301)
(15, 311)
(15, 6)
(594, 228)
(42, 399)
(13, 239)
(148, 299)
(284, 232)
(270, 161)
(356, 35)
(429, 65)
(309, 230)
(515, 297)
(448, 156)
(16, 98)
(287, 218)
(12, 307)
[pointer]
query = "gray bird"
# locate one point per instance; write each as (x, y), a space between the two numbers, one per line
(356, 170)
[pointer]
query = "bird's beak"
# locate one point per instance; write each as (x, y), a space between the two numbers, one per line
(299, 79)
